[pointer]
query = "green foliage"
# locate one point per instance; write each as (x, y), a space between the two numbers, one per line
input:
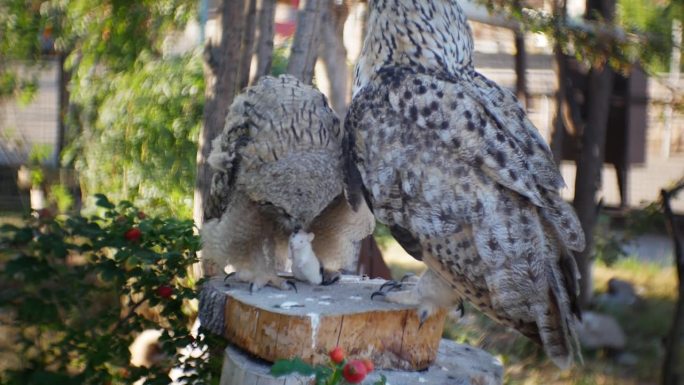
(113, 33)
(142, 141)
(609, 243)
(80, 289)
(647, 219)
(653, 20)
(39, 154)
(295, 365)
(21, 88)
(382, 235)
(134, 114)
(598, 42)
(60, 196)
(281, 56)
(332, 374)
(136, 117)
(20, 29)
(37, 177)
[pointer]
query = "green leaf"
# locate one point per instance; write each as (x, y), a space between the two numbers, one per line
(7, 228)
(75, 305)
(102, 201)
(295, 365)
(382, 381)
(324, 374)
(36, 310)
(22, 236)
(29, 268)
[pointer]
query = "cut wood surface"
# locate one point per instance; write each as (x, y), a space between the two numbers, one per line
(456, 364)
(273, 324)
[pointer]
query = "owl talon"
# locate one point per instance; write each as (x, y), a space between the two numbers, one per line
(292, 285)
(410, 277)
(380, 293)
(393, 284)
(227, 277)
(461, 308)
(330, 277)
(398, 286)
(252, 289)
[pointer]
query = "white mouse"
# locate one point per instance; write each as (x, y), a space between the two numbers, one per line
(305, 265)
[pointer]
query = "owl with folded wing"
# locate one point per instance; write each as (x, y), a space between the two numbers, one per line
(449, 161)
(278, 171)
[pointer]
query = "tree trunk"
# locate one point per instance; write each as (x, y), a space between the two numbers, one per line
(305, 45)
(264, 47)
(247, 48)
(222, 59)
(333, 55)
(592, 150)
(558, 136)
(589, 168)
(63, 78)
(672, 369)
(520, 66)
(370, 260)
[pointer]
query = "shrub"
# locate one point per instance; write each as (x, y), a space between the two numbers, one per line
(337, 372)
(79, 290)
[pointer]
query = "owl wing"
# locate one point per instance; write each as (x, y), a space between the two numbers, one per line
(468, 186)
(488, 131)
(510, 112)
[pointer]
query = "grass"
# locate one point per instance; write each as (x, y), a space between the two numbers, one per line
(644, 323)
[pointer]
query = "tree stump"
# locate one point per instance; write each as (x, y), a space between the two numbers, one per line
(455, 364)
(272, 324)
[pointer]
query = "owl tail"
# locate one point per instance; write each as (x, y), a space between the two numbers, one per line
(556, 322)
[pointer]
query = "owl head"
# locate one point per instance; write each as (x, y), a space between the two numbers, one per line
(301, 239)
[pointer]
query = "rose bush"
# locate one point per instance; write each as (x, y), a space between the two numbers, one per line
(78, 290)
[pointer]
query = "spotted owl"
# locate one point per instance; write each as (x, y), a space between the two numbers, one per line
(449, 161)
(277, 171)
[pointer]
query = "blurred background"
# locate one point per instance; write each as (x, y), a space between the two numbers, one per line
(120, 97)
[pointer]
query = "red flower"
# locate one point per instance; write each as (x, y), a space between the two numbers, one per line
(337, 355)
(164, 291)
(133, 234)
(369, 365)
(354, 372)
(44, 214)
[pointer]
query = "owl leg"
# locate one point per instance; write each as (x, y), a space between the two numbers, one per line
(273, 281)
(329, 276)
(260, 279)
(412, 297)
(411, 278)
(428, 295)
(267, 274)
(258, 267)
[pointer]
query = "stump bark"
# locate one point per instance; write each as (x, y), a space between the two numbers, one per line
(272, 324)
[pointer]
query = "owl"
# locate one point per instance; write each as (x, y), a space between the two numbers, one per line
(449, 161)
(278, 171)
